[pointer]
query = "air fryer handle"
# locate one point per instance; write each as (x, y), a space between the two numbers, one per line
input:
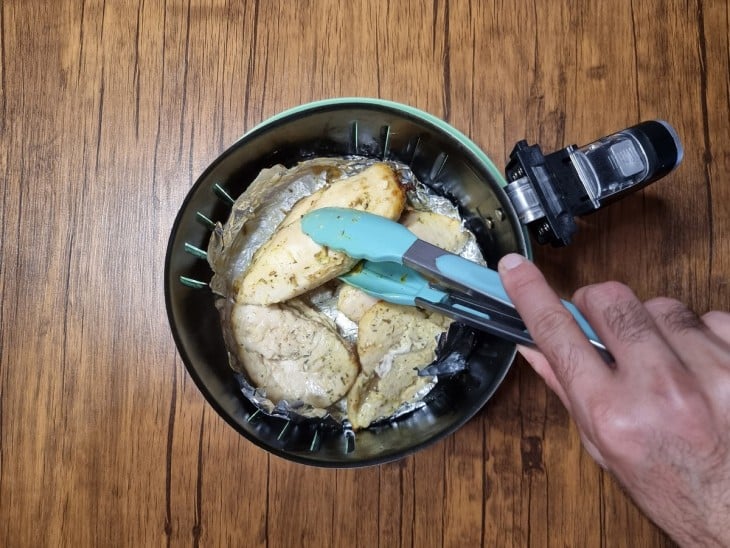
(548, 192)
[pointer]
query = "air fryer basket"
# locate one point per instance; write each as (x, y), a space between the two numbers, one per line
(442, 158)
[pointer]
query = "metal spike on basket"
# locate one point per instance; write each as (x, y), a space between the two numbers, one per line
(386, 141)
(197, 252)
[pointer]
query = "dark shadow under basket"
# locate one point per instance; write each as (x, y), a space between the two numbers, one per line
(441, 157)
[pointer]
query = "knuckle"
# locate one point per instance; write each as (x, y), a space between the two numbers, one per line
(596, 297)
(628, 320)
(673, 388)
(610, 425)
(673, 423)
(607, 292)
(687, 418)
(719, 323)
(619, 436)
(672, 314)
(662, 304)
(548, 322)
(716, 316)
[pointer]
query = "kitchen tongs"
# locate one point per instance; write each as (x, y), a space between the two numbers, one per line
(401, 269)
(399, 284)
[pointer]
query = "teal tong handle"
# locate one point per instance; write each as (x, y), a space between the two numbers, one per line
(487, 281)
(364, 235)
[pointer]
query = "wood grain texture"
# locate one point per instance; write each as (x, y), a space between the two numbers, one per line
(111, 109)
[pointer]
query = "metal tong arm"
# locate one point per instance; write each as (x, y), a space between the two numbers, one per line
(478, 320)
(480, 286)
(492, 316)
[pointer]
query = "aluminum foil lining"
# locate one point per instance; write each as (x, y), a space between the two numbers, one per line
(254, 218)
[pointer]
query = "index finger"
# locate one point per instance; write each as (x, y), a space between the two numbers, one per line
(576, 364)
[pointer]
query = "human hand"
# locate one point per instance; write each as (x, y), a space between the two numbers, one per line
(658, 418)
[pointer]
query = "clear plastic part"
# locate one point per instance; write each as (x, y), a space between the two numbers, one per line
(610, 165)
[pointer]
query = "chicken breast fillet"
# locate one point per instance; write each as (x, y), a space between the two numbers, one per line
(290, 263)
(292, 353)
(436, 229)
(353, 303)
(393, 343)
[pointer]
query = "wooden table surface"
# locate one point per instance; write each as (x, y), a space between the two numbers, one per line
(110, 110)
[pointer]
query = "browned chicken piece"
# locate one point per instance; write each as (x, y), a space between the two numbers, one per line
(353, 303)
(436, 229)
(290, 263)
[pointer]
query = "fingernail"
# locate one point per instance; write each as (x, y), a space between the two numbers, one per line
(510, 261)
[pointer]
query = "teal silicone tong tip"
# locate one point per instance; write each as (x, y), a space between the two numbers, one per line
(392, 282)
(359, 234)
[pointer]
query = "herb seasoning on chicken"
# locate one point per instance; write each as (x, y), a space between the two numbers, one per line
(291, 263)
(306, 343)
